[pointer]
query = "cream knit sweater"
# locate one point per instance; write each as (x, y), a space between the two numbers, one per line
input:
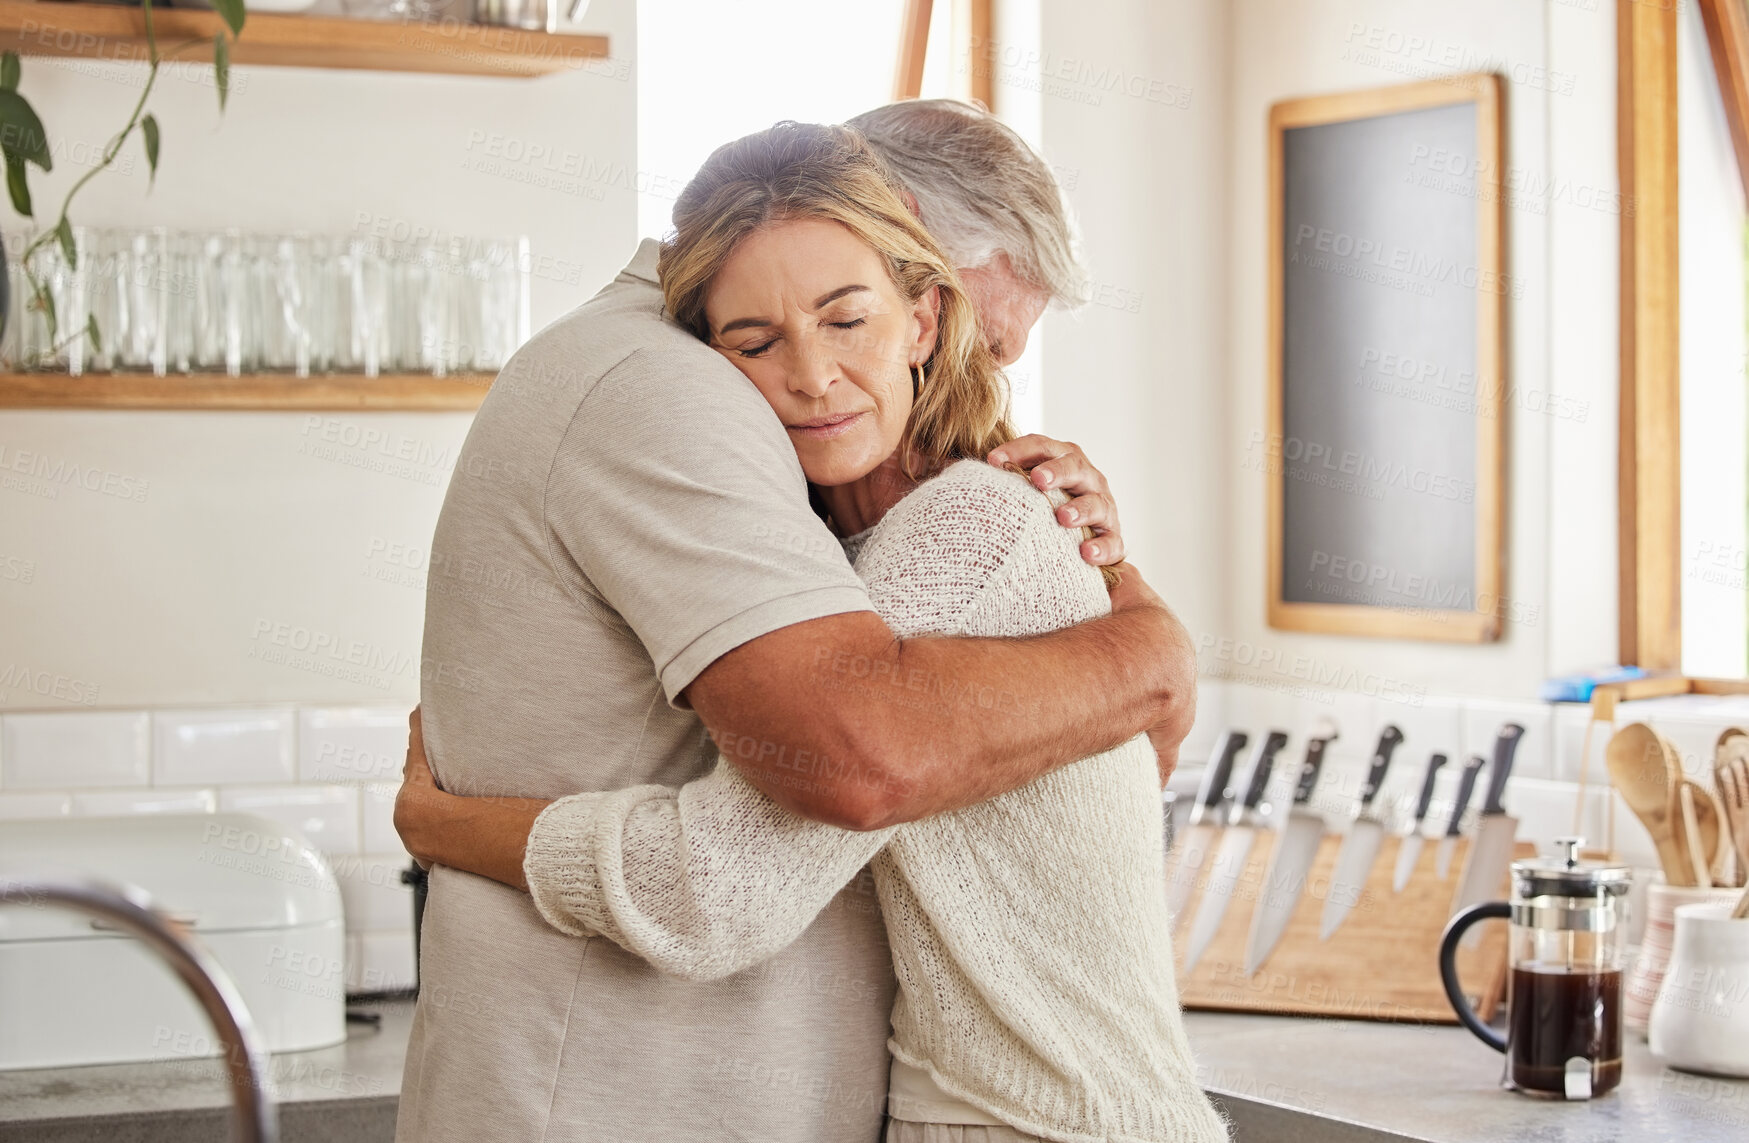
(1029, 933)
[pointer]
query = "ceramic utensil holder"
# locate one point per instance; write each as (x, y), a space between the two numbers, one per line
(1647, 972)
(1700, 1021)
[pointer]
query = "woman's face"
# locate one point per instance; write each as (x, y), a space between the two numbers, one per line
(806, 310)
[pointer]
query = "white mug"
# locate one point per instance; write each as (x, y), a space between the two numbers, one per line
(1700, 1021)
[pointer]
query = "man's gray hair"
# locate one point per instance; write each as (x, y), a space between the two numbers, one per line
(981, 191)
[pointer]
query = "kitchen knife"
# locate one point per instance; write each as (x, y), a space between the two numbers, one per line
(1295, 850)
(1466, 788)
(1361, 847)
(1249, 815)
(1495, 833)
(1410, 853)
(1193, 850)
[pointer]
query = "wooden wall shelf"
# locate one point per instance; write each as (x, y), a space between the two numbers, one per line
(412, 392)
(114, 32)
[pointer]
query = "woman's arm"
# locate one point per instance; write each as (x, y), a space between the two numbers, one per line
(484, 836)
(702, 881)
(711, 878)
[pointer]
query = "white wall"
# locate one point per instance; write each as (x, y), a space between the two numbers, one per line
(1164, 383)
(246, 531)
(1282, 50)
(1134, 118)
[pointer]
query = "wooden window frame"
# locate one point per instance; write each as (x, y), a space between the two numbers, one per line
(973, 25)
(1649, 477)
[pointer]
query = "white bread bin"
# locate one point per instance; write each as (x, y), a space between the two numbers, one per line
(257, 895)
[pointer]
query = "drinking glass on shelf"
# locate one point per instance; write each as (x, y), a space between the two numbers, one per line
(192, 330)
(499, 270)
(238, 303)
(100, 300)
(280, 292)
(34, 346)
(370, 299)
(14, 354)
(140, 343)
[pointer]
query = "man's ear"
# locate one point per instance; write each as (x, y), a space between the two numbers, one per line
(926, 311)
(911, 203)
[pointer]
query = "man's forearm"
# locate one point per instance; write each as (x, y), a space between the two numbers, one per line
(838, 720)
(1031, 705)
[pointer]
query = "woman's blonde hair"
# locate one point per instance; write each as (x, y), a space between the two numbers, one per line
(813, 171)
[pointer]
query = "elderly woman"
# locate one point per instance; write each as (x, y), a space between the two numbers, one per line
(1029, 933)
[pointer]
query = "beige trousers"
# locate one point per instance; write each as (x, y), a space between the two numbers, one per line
(902, 1131)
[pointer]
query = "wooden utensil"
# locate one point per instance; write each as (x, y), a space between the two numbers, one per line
(1731, 778)
(1641, 770)
(1742, 909)
(1700, 833)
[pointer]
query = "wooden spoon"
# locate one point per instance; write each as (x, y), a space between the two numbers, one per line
(1731, 778)
(1640, 769)
(1700, 834)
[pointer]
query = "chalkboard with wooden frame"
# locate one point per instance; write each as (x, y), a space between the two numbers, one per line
(1388, 287)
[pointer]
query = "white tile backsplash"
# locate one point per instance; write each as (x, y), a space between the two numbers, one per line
(327, 816)
(379, 818)
(383, 962)
(1567, 725)
(371, 888)
(56, 751)
(1546, 810)
(1211, 716)
(332, 774)
(231, 745)
(119, 803)
(1436, 726)
(22, 807)
(1482, 723)
(351, 744)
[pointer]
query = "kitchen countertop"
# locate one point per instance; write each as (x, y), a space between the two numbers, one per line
(1315, 1080)
(1279, 1078)
(344, 1094)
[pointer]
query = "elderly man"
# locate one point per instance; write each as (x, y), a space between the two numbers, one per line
(616, 597)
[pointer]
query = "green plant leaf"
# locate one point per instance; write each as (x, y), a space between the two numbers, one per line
(69, 248)
(232, 11)
(9, 71)
(16, 186)
(21, 132)
(221, 68)
(91, 332)
(149, 128)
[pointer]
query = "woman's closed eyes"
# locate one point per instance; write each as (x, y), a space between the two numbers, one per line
(761, 347)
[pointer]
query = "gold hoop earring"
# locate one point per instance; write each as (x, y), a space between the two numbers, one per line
(916, 381)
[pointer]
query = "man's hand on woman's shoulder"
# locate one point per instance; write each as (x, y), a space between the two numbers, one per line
(1058, 464)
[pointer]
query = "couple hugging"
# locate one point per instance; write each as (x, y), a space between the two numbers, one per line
(816, 888)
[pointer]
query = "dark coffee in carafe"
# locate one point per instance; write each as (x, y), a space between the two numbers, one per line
(1558, 1015)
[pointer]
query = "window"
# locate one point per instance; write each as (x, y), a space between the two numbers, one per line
(1714, 417)
(709, 72)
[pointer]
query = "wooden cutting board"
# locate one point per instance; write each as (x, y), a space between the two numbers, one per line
(1382, 964)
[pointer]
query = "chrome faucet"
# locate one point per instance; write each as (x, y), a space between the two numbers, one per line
(253, 1119)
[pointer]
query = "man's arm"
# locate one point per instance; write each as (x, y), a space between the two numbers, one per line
(839, 720)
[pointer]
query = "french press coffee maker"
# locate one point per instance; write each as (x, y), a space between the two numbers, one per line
(1563, 1002)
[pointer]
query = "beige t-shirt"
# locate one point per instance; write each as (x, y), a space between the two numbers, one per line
(626, 510)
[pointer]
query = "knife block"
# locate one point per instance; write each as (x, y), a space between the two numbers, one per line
(1382, 964)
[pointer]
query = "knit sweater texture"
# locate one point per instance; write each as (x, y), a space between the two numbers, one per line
(1029, 933)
